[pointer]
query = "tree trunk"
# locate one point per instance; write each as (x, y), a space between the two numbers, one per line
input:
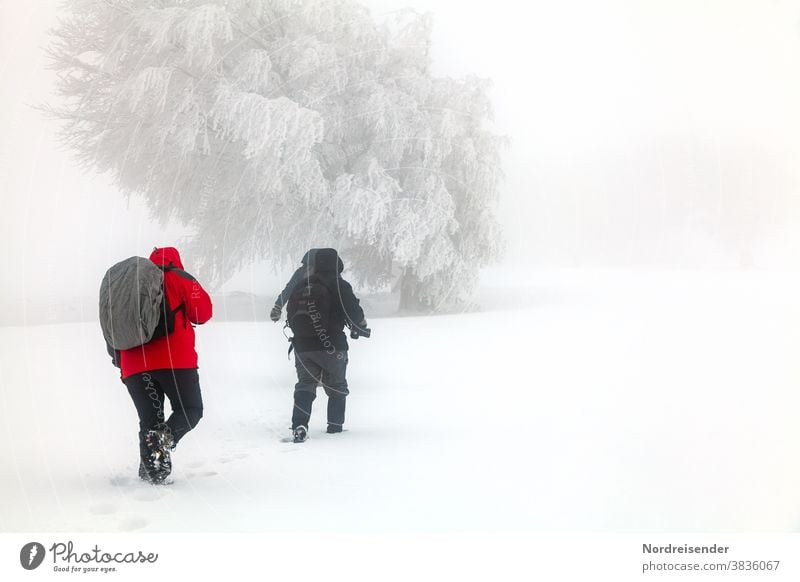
(409, 300)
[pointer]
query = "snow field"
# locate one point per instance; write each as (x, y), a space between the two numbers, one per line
(574, 401)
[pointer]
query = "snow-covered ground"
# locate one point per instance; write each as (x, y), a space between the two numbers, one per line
(592, 401)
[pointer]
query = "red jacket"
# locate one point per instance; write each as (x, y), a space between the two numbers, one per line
(175, 350)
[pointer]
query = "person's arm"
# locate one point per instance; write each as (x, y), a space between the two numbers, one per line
(351, 306)
(296, 278)
(196, 301)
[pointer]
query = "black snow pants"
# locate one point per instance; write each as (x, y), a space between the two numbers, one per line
(181, 387)
(315, 368)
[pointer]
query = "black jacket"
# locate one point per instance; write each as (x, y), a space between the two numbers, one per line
(303, 273)
(326, 265)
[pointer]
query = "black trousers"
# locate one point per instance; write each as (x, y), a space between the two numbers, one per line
(148, 391)
(313, 369)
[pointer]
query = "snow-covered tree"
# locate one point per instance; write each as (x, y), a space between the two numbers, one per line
(271, 126)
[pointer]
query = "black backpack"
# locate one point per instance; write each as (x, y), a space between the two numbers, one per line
(308, 311)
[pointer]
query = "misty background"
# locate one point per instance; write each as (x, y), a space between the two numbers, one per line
(643, 135)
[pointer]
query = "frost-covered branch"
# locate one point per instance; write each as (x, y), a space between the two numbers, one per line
(270, 126)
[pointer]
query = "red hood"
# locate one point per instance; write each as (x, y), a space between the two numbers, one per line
(166, 257)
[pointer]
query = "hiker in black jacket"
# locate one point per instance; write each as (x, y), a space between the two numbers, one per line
(319, 305)
(301, 273)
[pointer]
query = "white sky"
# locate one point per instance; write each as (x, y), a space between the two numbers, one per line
(643, 133)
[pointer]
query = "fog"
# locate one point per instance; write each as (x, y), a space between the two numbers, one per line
(642, 135)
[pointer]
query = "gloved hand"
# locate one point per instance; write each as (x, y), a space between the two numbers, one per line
(275, 314)
(360, 330)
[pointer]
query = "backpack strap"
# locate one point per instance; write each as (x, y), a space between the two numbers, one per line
(180, 272)
(182, 308)
(289, 339)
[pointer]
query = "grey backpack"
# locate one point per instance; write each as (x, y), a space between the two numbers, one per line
(131, 302)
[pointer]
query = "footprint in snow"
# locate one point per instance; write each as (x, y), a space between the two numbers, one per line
(150, 493)
(120, 481)
(103, 508)
(233, 457)
(201, 474)
(133, 523)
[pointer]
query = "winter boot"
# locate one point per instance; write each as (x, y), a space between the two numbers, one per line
(300, 434)
(143, 475)
(334, 428)
(157, 462)
(150, 471)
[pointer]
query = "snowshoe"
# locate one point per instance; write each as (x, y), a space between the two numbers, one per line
(300, 434)
(157, 464)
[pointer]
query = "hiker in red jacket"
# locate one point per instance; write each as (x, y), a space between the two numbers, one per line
(167, 367)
